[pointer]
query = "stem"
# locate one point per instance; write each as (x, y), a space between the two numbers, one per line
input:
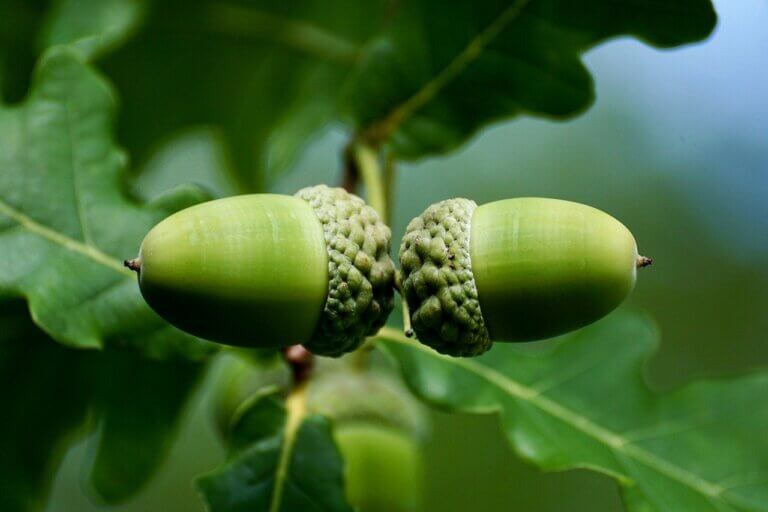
(389, 183)
(366, 162)
(643, 261)
(301, 361)
(407, 329)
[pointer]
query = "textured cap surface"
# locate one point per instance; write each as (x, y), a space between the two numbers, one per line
(438, 281)
(361, 274)
(349, 396)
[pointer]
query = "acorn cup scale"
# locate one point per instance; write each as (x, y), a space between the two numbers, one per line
(513, 270)
(268, 270)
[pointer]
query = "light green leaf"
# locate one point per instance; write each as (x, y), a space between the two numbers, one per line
(281, 460)
(92, 27)
(584, 404)
(65, 224)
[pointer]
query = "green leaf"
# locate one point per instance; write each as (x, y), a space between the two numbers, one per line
(441, 72)
(281, 460)
(265, 76)
(64, 255)
(139, 404)
(91, 27)
(47, 392)
(423, 76)
(44, 391)
(584, 404)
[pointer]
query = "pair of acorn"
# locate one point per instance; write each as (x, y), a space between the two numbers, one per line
(267, 270)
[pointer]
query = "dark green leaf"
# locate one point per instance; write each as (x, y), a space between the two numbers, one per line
(443, 71)
(584, 405)
(423, 76)
(48, 390)
(139, 404)
(44, 391)
(65, 255)
(280, 461)
(265, 75)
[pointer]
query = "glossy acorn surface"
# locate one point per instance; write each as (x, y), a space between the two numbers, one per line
(513, 270)
(379, 427)
(543, 267)
(266, 270)
(383, 468)
(246, 270)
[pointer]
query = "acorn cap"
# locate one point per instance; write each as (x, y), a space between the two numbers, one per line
(438, 282)
(351, 397)
(361, 274)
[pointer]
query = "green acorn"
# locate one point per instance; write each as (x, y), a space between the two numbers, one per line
(379, 428)
(267, 270)
(513, 270)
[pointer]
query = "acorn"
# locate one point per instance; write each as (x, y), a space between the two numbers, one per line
(380, 429)
(268, 270)
(513, 270)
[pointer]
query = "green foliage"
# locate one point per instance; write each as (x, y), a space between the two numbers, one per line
(584, 404)
(53, 394)
(422, 76)
(414, 78)
(64, 251)
(280, 460)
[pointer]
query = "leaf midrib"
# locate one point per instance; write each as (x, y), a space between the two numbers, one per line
(381, 130)
(296, 408)
(612, 439)
(64, 241)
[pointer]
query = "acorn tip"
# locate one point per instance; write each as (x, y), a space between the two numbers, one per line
(643, 261)
(134, 264)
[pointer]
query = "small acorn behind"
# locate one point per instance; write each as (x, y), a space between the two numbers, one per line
(268, 270)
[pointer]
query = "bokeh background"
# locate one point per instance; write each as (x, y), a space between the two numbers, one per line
(676, 147)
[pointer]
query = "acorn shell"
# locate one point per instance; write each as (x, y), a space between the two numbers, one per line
(544, 267)
(268, 270)
(248, 270)
(514, 270)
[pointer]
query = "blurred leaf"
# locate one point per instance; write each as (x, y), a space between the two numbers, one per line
(44, 392)
(280, 460)
(265, 74)
(442, 72)
(64, 254)
(92, 27)
(20, 21)
(48, 390)
(584, 405)
(140, 404)
(422, 75)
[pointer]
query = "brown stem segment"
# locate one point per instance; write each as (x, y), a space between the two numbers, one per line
(351, 173)
(301, 362)
(643, 261)
(134, 264)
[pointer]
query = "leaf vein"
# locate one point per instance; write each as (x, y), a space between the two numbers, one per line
(612, 439)
(68, 243)
(379, 131)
